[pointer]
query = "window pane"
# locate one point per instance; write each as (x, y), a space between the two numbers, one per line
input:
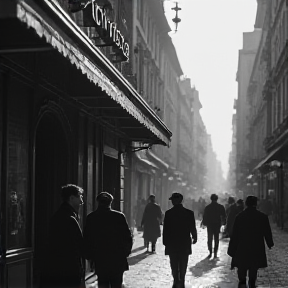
(18, 146)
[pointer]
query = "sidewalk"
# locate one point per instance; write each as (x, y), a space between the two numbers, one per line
(153, 270)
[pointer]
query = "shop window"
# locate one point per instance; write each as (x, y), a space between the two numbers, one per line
(18, 146)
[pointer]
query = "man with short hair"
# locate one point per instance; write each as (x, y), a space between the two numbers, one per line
(251, 230)
(214, 217)
(152, 217)
(179, 224)
(63, 266)
(108, 242)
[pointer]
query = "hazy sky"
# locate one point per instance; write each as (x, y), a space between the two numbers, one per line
(207, 43)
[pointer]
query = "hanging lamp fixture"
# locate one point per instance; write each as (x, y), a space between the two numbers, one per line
(176, 19)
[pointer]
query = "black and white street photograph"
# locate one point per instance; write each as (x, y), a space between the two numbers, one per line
(143, 144)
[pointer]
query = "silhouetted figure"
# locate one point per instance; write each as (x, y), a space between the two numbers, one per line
(63, 266)
(214, 217)
(108, 242)
(152, 217)
(179, 224)
(234, 210)
(139, 212)
(247, 245)
(201, 207)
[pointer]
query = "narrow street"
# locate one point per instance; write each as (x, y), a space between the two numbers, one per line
(153, 270)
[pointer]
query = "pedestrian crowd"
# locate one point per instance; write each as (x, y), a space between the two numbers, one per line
(106, 241)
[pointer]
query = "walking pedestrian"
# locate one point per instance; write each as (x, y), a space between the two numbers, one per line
(247, 245)
(63, 265)
(214, 217)
(235, 209)
(152, 217)
(179, 224)
(108, 242)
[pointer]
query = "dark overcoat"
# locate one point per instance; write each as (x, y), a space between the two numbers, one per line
(214, 215)
(251, 230)
(233, 212)
(63, 265)
(179, 225)
(108, 241)
(151, 221)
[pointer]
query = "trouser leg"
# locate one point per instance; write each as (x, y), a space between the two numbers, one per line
(103, 281)
(242, 273)
(216, 240)
(209, 238)
(183, 267)
(174, 264)
(153, 246)
(252, 274)
(116, 280)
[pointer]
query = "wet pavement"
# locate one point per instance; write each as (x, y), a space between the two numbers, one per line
(153, 270)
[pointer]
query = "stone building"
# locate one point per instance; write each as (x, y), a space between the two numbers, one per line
(68, 115)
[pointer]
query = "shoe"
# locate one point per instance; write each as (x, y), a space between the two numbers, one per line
(215, 255)
(210, 255)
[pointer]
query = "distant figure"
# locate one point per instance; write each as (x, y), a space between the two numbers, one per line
(247, 245)
(231, 205)
(151, 220)
(214, 217)
(179, 225)
(63, 266)
(139, 212)
(235, 209)
(201, 207)
(108, 242)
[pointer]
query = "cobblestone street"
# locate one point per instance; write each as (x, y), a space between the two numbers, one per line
(153, 270)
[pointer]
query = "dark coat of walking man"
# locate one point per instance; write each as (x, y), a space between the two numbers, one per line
(151, 220)
(63, 266)
(179, 225)
(251, 230)
(214, 217)
(108, 242)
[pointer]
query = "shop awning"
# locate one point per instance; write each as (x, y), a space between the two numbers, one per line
(54, 25)
(158, 160)
(271, 156)
(141, 155)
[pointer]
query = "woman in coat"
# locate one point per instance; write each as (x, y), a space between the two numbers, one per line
(251, 230)
(151, 220)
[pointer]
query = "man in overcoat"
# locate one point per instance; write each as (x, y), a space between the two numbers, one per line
(63, 263)
(108, 242)
(151, 220)
(213, 218)
(251, 230)
(179, 225)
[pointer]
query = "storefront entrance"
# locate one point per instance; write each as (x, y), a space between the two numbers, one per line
(111, 179)
(51, 172)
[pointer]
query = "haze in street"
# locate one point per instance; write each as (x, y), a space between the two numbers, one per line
(208, 39)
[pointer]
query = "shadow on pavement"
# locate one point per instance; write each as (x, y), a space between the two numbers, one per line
(138, 249)
(137, 258)
(203, 266)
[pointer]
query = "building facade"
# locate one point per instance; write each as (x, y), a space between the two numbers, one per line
(68, 115)
(245, 65)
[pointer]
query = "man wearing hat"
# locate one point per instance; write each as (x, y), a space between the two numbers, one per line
(179, 225)
(213, 218)
(251, 230)
(108, 242)
(151, 220)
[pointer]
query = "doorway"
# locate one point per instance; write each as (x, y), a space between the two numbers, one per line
(111, 179)
(51, 172)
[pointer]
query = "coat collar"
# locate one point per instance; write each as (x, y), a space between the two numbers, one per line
(70, 210)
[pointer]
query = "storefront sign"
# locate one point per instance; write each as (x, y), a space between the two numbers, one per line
(109, 29)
